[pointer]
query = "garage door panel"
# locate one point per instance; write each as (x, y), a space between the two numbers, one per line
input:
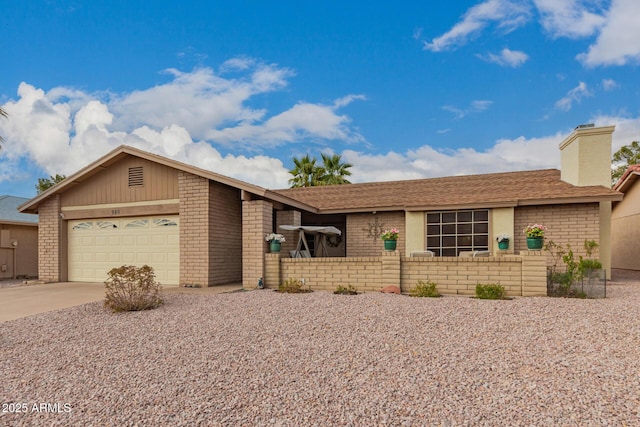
(97, 246)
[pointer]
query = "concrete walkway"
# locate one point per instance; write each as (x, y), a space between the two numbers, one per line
(23, 301)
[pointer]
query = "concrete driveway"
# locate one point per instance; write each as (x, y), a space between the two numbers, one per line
(26, 301)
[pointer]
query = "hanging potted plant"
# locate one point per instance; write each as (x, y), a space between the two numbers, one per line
(275, 241)
(390, 238)
(503, 241)
(535, 236)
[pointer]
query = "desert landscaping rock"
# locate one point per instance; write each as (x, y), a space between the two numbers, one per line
(318, 359)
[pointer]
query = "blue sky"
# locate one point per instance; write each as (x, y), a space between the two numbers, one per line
(401, 90)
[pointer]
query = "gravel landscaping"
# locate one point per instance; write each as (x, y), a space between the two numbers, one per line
(261, 358)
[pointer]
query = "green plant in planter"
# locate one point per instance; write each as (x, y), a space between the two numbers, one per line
(348, 290)
(490, 291)
(425, 289)
(292, 286)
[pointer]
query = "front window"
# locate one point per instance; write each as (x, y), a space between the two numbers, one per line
(452, 232)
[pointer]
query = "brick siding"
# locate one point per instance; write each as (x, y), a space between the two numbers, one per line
(50, 229)
(570, 224)
(363, 232)
(225, 234)
(257, 222)
(194, 229)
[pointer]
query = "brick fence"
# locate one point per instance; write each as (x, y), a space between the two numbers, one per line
(521, 275)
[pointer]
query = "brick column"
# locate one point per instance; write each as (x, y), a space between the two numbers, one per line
(391, 268)
(272, 277)
(49, 237)
(193, 191)
(291, 237)
(257, 222)
(534, 273)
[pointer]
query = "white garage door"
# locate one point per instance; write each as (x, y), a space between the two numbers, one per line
(98, 245)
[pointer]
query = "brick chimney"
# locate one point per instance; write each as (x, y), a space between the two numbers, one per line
(586, 156)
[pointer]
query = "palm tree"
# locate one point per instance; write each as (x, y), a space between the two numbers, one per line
(305, 173)
(335, 172)
(3, 113)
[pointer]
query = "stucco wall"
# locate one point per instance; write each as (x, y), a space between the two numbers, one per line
(625, 231)
(26, 253)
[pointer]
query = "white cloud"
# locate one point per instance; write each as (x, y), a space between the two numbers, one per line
(508, 15)
(616, 28)
(425, 162)
(574, 95)
(609, 84)
(62, 130)
(617, 43)
(476, 106)
(507, 58)
(569, 18)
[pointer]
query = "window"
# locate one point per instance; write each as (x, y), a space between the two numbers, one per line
(83, 226)
(137, 223)
(452, 232)
(105, 224)
(164, 223)
(136, 178)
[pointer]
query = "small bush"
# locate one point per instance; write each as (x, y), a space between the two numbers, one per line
(348, 290)
(490, 291)
(131, 288)
(292, 286)
(425, 289)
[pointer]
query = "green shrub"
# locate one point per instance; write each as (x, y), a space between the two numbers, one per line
(131, 288)
(425, 289)
(348, 290)
(292, 286)
(490, 291)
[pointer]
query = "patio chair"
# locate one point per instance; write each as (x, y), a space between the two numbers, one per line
(422, 254)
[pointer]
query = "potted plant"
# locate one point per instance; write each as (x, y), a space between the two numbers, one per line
(535, 236)
(275, 241)
(390, 238)
(503, 241)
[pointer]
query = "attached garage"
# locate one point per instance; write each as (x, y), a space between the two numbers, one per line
(95, 246)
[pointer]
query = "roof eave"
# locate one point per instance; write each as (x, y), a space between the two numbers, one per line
(628, 181)
(571, 200)
(10, 222)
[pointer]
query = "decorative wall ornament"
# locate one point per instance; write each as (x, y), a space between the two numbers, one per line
(375, 229)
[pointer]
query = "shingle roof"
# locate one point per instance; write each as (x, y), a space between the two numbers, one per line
(9, 211)
(488, 190)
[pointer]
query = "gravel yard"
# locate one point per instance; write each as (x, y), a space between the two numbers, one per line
(263, 358)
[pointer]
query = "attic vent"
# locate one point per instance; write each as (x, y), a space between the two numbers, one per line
(136, 177)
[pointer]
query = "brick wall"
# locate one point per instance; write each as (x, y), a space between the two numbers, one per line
(225, 234)
(194, 229)
(365, 273)
(520, 275)
(363, 232)
(49, 238)
(566, 224)
(257, 222)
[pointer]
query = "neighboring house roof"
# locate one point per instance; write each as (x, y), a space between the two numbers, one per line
(540, 187)
(9, 212)
(122, 151)
(627, 179)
